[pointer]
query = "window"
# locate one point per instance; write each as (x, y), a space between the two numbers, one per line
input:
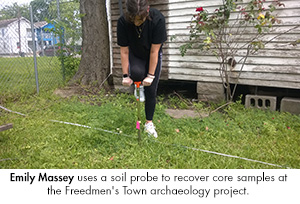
(29, 34)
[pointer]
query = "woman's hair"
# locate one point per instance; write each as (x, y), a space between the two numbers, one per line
(136, 8)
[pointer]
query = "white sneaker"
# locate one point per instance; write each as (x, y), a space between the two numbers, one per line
(150, 129)
(142, 93)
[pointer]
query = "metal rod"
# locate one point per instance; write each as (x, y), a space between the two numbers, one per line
(139, 113)
(34, 52)
(138, 92)
(19, 32)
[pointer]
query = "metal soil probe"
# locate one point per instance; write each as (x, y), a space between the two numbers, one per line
(138, 122)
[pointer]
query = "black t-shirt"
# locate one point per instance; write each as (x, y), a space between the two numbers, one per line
(153, 32)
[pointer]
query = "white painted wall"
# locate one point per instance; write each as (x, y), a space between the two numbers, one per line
(10, 39)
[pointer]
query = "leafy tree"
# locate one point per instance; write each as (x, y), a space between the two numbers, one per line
(67, 27)
(41, 10)
(69, 20)
(15, 11)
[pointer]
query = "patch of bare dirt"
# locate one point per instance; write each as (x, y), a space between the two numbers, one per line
(67, 92)
(78, 90)
(176, 113)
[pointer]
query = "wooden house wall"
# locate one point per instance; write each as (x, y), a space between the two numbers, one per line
(277, 65)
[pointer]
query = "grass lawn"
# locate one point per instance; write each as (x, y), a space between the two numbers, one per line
(17, 75)
(37, 142)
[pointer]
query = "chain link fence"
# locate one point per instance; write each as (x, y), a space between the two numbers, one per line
(40, 44)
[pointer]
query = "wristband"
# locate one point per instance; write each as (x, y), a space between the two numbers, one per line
(125, 75)
(151, 76)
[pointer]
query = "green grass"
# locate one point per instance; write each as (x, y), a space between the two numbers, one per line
(17, 75)
(36, 142)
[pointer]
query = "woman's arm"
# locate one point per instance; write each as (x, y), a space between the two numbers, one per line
(152, 64)
(153, 58)
(125, 59)
(125, 66)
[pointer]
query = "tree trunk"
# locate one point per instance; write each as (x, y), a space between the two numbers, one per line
(94, 67)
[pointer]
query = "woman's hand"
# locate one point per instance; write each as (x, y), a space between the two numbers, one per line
(127, 81)
(148, 80)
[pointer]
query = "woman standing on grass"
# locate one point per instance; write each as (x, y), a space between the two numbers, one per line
(141, 33)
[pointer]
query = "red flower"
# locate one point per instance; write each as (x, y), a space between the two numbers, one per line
(201, 23)
(199, 9)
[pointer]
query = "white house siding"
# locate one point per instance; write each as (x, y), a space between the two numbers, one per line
(277, 65)
(9, 38)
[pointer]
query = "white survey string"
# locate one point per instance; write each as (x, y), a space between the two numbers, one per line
(11, 111)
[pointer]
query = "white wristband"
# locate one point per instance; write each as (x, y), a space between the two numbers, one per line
(151, 76)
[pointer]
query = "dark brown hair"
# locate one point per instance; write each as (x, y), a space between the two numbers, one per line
(136, 8)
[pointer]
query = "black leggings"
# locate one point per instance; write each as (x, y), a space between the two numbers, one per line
(138, 69)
